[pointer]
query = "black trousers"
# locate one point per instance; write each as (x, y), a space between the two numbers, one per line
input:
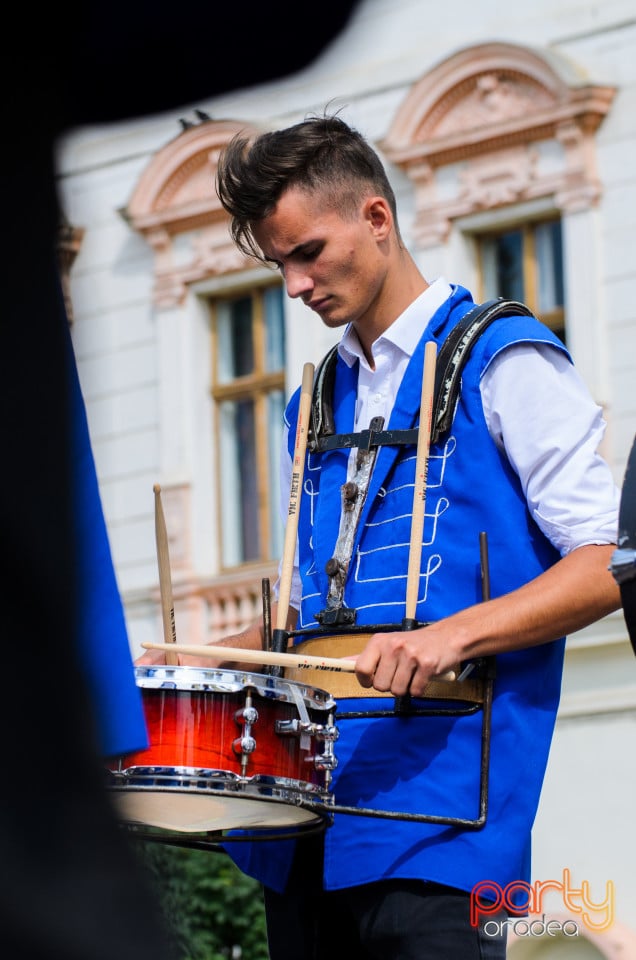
(387, 920)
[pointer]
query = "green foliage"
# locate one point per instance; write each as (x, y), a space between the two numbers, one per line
(213, 910)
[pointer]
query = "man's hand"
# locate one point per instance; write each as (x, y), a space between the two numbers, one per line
(575, 592)
(405, 662)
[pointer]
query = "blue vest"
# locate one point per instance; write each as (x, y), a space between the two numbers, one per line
(431, 764)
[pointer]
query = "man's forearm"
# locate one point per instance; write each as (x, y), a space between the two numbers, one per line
(575, 592)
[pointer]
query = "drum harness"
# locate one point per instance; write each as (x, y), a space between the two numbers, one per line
(322, 437)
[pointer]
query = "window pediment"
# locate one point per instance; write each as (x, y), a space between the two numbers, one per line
(490, 93)
(176, 196)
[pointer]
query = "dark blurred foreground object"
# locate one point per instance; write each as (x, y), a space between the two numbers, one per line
(623, 565)
(71, 887)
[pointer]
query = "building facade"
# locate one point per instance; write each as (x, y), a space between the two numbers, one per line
(510, 137)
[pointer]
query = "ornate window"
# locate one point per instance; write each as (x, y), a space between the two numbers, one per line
(499, 134)
(493, 125)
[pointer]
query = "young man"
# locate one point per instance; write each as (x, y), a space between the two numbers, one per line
(518, 463)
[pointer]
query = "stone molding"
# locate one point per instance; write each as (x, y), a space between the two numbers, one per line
(478, 132)
(68, 245)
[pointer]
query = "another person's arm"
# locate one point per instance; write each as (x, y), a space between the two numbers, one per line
(251, 638)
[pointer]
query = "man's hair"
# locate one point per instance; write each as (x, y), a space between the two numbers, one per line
(320, 154)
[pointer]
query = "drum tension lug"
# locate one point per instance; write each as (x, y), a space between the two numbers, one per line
(244, 745)
(295, 728)
(327, 733)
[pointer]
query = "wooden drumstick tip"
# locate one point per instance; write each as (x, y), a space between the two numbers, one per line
(156, 488)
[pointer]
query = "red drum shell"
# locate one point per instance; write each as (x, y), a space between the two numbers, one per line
(194, 775)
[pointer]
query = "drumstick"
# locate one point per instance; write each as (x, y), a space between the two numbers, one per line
(165, 581)
(421, 473)
(295, 490)
(266, 657)
(245, 655)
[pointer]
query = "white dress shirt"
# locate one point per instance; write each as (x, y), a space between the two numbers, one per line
(569, 488)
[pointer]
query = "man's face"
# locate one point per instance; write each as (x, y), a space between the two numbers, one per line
(336, 265)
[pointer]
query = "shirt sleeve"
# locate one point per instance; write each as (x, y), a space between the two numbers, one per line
(542, 416)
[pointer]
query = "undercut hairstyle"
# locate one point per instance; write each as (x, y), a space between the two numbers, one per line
(320, 155)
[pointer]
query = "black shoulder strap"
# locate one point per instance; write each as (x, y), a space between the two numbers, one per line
(454, 353)
(450, 362)
(322, 422)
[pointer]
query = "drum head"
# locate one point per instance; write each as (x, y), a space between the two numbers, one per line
(193, 813)
(216, 681)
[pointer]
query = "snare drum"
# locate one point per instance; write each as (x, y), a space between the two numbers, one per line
(228, 750)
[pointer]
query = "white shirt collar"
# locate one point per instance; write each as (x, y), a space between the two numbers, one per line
(406, 330)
